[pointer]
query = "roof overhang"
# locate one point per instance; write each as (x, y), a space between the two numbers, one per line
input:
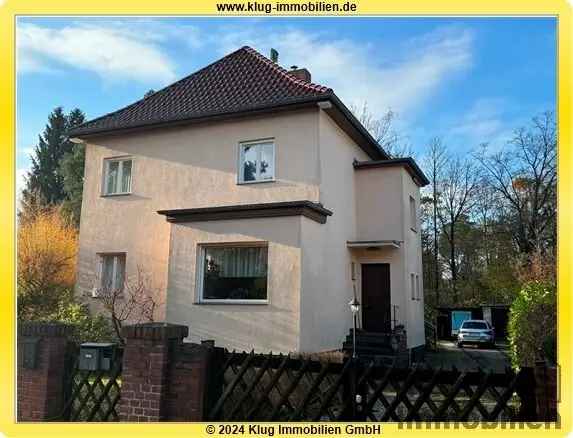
(329, 102)
(309, 209)
(408, 163)
(373, 243)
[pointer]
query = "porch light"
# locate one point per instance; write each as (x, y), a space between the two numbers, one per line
(354, 306)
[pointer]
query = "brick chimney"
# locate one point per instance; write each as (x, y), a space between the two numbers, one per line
(300, 73)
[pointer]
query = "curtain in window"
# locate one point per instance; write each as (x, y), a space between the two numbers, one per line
(238, 262)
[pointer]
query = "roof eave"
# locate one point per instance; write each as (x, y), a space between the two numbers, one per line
(408, 162)
(338, 112)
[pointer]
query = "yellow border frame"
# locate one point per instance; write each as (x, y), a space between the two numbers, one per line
(10, 8)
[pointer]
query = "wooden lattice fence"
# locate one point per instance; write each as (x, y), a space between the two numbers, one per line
(279, 388)
(92, 395)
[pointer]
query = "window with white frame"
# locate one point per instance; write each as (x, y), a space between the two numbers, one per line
(413, 285)
(256, 162)
(112, 272)
(413, 214)
(117, 176)
(233, 273)
(418, 291)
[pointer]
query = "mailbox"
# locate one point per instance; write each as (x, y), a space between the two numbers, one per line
(29, 353)
(96, 356)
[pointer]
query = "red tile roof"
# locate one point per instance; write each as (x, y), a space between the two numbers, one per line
(242, 80)
(240, 83)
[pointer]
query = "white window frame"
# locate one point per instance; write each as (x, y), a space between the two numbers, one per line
(418, 294)
(200, 272)
(106, 164)
(413, 208)
(412, 286)
(242, 145)
(116, 256)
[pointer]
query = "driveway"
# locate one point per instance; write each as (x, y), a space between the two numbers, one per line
(469, 358)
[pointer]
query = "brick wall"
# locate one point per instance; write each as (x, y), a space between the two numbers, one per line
(40, 390)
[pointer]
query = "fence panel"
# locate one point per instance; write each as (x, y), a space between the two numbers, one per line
(92, 395)
(280, 388)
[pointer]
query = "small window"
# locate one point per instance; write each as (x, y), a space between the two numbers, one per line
(233, 274)
(413, 285)
(256, 162)
(112, 272)
(117, 176)
(413, 215)
(418, 292)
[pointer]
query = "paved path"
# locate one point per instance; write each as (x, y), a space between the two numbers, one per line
(469, 358)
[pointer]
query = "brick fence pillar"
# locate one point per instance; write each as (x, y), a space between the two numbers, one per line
(546, 391)
(146, 360)
(41, 371)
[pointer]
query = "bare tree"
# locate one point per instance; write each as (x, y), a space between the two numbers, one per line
(436, 160)
(525, 176)
(137, 301)
(383, 131)
(458, 187)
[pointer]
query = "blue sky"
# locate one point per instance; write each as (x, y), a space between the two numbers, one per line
(466, 80)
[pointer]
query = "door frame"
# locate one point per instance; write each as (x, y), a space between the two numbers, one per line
(370, 261)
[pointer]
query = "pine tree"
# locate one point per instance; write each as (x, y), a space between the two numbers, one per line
(45, 182)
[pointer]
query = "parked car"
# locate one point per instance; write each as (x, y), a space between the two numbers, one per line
(476, 331)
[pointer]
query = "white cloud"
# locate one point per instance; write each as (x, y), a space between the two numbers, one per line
(400, 77)
(486, 121)
(112, 51)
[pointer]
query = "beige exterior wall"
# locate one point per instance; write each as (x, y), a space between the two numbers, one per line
(263, 327)
(309, 263)
(184, 167)
(383, 213)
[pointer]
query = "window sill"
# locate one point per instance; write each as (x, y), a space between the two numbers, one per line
(233, 302)
(112, 195)
(244, 183)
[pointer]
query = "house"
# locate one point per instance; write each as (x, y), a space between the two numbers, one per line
(258, 204)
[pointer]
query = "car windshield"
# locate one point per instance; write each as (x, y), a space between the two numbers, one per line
(474, 325)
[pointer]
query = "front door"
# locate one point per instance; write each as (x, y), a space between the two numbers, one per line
(376, 315)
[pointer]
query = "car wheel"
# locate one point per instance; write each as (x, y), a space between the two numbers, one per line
(460, 344)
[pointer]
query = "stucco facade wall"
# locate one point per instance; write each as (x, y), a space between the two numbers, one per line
(327, 286)
(264, 327)
(184, 167)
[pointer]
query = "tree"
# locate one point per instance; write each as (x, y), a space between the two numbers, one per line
(72, 168)
(458, 187)
(45, 180)
(525, 176)
(383, 131)
(435, 162)
(46, 254)
(137, 301)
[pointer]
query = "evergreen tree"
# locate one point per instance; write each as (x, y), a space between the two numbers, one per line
(45, 180)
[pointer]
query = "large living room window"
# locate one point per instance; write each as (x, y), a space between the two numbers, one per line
(233, 274)
(117, 176)
(256, 162)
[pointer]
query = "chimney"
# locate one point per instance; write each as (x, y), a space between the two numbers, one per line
(300, 73)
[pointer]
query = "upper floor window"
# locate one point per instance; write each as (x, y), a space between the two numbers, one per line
(117, 176)
(413, 215)
(256, 162)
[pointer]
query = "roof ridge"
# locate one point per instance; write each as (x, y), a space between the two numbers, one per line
(284, 72)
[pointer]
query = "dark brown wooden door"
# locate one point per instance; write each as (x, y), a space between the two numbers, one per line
(376, 297)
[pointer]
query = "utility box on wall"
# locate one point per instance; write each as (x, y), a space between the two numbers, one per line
(96, 356)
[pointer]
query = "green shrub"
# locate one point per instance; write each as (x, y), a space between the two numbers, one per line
(86, 327)
(532, 324)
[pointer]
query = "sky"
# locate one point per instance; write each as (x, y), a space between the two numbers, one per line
(467, 80)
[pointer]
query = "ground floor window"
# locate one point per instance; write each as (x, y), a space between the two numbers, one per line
(112, 271)
(233, 273)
